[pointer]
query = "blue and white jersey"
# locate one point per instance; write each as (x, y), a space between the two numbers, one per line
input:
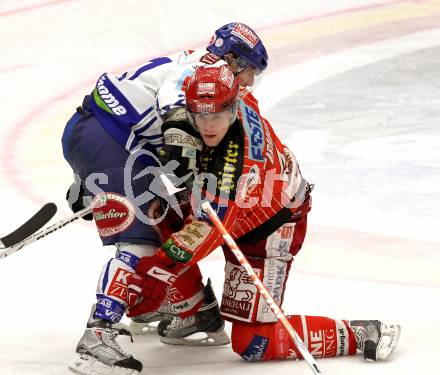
(130, 105)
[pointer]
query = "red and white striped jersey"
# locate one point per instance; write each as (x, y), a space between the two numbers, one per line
(250, 177)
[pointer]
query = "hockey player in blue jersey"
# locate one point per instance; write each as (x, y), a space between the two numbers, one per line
(110, 143)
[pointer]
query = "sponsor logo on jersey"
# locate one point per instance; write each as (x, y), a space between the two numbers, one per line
(116, 216)
(193, 234)
(254, 130)
(227, 182)
(175, 252)
(246, 34)
(106, 100)
(226, 76)
(269, 147)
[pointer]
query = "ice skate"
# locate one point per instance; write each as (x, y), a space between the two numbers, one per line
(100, 354)
(375, 339)
(147, 323)
(205, 328)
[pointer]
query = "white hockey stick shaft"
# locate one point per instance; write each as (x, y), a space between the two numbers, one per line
(44, 232)
(264, 292)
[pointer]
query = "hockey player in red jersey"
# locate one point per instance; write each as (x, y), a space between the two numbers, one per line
(120, 119)
(255, 185)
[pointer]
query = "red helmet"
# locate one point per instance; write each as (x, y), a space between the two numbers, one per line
(211, 89)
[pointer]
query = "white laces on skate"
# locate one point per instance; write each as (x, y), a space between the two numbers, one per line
(109, 335)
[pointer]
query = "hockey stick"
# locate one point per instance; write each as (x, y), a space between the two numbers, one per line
(9, 247)
(36, 222)
(270, 301)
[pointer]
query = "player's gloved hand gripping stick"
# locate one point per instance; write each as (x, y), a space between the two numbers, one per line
(270, 301)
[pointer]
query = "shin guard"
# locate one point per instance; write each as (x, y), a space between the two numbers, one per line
(324, 337)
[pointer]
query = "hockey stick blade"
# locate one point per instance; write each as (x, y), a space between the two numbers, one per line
(5, 252)
(35, 223)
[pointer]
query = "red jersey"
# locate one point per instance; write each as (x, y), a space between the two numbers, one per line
(251, 179)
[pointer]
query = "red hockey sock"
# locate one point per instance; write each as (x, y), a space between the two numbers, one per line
(265, 341)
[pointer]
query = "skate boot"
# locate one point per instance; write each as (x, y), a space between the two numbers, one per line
(204, 328)
(99, 353)
(375, 339)
(147, 323)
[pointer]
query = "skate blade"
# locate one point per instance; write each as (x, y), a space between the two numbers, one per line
(87, 365)
(388, 341)
(218, 338)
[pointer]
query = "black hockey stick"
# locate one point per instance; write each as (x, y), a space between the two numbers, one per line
(32, 236)
(35, 223)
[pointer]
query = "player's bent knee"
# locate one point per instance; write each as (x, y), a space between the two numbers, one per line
(251, 341)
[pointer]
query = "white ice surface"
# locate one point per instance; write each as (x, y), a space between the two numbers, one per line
(363, 121)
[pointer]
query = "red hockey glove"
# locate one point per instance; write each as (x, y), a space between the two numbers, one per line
(148, 287)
